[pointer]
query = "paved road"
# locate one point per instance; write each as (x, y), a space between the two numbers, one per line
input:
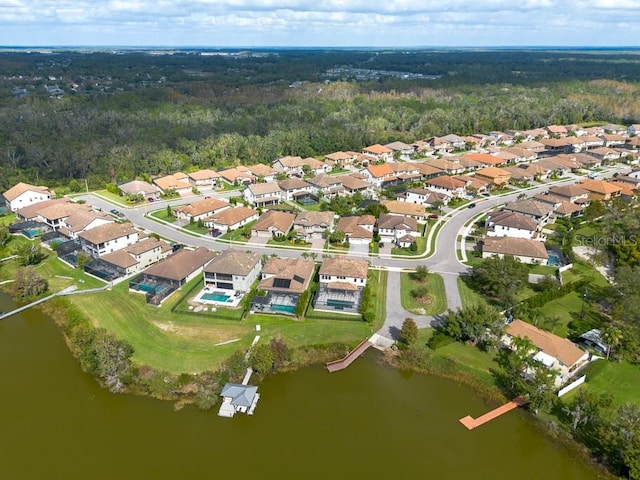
(443, 261)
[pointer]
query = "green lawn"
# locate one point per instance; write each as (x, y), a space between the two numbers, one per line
(236, 235)
(315, 207)
(112, 197)
(7, 219)
(377, 281)
(421, 246)
(469, 296)
(288, 243)
(193, 227)
(470, 359)
(162, 214)
(226, 187)
(435, 284)
(622, 380)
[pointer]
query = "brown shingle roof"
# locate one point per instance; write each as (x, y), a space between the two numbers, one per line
(282, 221)
(202, 207)
(293, 184)
(515, 246)
(104, 233)
(512, 219)
(19, 188)
(311, 218)
(264, 188)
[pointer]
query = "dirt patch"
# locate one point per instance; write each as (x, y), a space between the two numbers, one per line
(425, 301)
(215, 334)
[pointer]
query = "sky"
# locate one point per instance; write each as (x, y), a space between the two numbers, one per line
(307, 23)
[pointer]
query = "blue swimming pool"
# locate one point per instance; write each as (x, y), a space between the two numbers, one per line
(290, 309)
(216, 297)
(554, 260)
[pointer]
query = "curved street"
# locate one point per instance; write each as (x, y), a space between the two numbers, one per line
(443, 260)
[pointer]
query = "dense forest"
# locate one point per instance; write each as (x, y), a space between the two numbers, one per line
(110, 116)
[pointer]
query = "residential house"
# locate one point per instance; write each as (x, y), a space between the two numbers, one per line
(378, 152)
(557, 130)
(377, 175)
(572, 193)
(52, 212)
(533, 145)
(539, 213)
(525, 250)
(292, 186)
(298, 166)
(558, 145)
(341, 284)
(447, 185)
(587, 161)
(357, 228)
(511, 224)
(205, 178)
(138, 256)
(81, 221)
(613, 140)
(627, 192)
(355, 183)
(23, 194)
(262, 172)
(327, 186)
(232, 270)
(605, 154)
(592, 141)
(424, 197)
(284, 280)
(456, 142)
(231, 219)
(175, 183)
(273, 223)
(633, 182)
(237, 176)
(600, 190)
(518, 154)
(140, 187)
(108, 238)
(445, 165)
(401, 150)
(554, 352)
(405, 209)
(475, 185)
(633, 129)
(262, 194)
(340, 160)
(392, 228)
(429, 171)
(310, 225)
(201, 209)
(496, 176)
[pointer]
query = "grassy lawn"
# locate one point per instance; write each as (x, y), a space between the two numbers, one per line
(236, 235)
(317, 315)
(557, 314)
(314, 207)
(622, 380)
(469, 296)
(421, 246)
(435, 285)
(60, 275)
(470, 359)
(543, 269)
(226, 187)
(162, 214)
(193, 227)
(112, 197)
(288, 243)
(7, 219)
(377, 281)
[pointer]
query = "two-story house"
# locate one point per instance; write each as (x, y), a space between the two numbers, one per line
(23, 194)
(511, 224)
(310, 225)
(201, 209)
(399, 230)
(108, 238)
(263, 194)
(233, 270)
(341, 282)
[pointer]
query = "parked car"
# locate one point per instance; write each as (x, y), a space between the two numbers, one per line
(433, 216)
(485, 194)
(150, 200)
(472, 205)
(215, 232)
(176, 246)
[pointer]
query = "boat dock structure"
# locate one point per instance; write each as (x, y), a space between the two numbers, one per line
(376, 341)
(472, 423)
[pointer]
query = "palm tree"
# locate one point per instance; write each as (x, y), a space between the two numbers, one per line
(612, 335)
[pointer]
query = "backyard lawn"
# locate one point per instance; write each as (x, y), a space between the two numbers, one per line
(436, 302)
(621, 380)
(469, 296)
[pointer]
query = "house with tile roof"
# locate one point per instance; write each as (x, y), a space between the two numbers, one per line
(424, 197)
(326, 186)
(392, 228)
(538, 212)
(24, 194)
(406, 209)
(310, 225)
(401, 150)
(357, 228)
(378, 174)
(571, 193)
(138, 256)
(237, 176)
(294, 186)
(551, 350)
(262, 194)
(177, 182)
(512, 224)
(232, 270)
(525, 250)
(341, 283)
(140, 187)
(447, 185)
(600, 190)
(200, 209)
(273, 223)
(108, 238)
(353, 183)
(495, 175)
(205, 178)
(378, 152)
(340, 160)
(231, 219)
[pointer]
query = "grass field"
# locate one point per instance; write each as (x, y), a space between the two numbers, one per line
(112, 197)
(435, 285)
(621, 380)
(421, 246)
(468, 296)
(162, 215)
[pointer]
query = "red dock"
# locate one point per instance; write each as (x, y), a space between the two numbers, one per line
(472, 423)
(350, 357)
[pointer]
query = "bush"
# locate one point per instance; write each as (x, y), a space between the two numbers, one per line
(439, 340)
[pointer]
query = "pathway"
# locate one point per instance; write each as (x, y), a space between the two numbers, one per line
(472, 423)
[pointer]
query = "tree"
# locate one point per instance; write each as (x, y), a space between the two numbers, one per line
(479, 324)
(612, 336)
(5, 235)
(27, 282)
(584, 412)
(262, 358)
(500, 278)
(421, 292)
(593, 211)
(280, 351)
(420, 274)
(30, 254)
(170, 213)
(408, 332)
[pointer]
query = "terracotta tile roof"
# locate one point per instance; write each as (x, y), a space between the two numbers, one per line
(445, 181)
(19, 188)
(557, 347)
(298, 271)
(120, 258)
(32, 210)
(181, 264)
(493, 172)
(528, 207)
(105, 233)
(231, 175)
(138, 186)
(339, 156)
(344, 267)
(281, 221)
(377, 149)
(293, 184)
(515, 246)
(379, 171)
(202, 207)
(170, 181)
(600, 186)
(351, 182)
(484, 158)
(204, 174)
(231, 216)
(625, 189)
(404, 208)
(233, 262)
(428, 170)
(260, 169)
(352, 225)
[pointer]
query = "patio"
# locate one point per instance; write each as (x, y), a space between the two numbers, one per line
(219, 297)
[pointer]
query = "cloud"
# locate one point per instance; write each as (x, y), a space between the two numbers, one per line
(310, 22)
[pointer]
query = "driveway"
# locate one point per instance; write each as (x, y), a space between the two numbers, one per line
(317, 244)
(359, 250)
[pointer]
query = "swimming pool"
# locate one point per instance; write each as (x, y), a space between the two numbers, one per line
(283, 308)
(216, 297)
(554, 259)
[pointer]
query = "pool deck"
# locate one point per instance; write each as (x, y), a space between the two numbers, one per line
(217, 291)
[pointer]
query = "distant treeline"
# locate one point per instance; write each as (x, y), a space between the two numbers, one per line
(124, 115)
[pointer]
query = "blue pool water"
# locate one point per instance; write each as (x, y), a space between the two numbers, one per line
(215, 297)
(554, 259)
(283, 308)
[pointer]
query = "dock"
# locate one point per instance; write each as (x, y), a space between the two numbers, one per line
(472, 423)
(349, 357)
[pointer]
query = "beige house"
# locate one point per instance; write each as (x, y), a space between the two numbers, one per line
(23, 194)
(357, 228)
(201, 209)
(341, 282)
(311, 225)
(231, 219)
(525, 250)
(273, 223)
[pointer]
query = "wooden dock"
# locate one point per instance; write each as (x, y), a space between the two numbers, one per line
(350, 357)
(472, 423)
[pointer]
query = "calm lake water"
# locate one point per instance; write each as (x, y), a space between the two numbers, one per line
(365, 422)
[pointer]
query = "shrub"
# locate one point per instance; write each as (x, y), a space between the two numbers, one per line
(439, 340)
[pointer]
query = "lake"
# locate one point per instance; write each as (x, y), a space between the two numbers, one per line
(368, 421)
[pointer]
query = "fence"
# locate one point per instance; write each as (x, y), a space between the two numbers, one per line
(571, 386)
